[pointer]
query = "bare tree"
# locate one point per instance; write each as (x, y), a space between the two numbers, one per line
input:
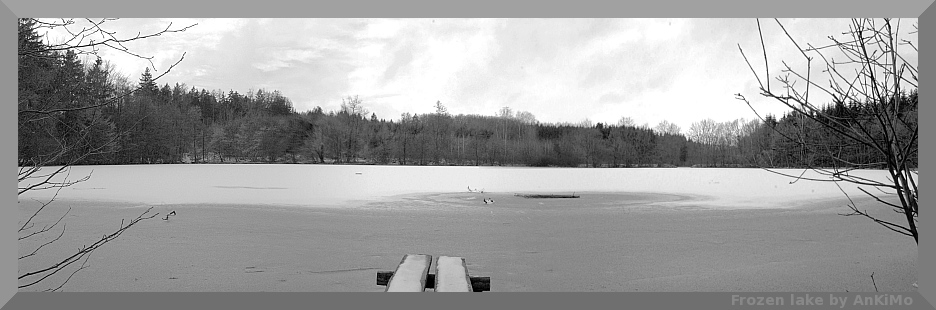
(526, 118)
(506, 113)
(666, 127)
(353, 110)
(626, 121)
(872, 75)
(50, 170)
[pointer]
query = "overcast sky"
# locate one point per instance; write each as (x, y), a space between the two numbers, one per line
(561, 70)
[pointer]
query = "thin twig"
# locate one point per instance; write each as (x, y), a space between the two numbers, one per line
(82, 252)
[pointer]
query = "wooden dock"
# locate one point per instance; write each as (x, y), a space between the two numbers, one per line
(412, 275)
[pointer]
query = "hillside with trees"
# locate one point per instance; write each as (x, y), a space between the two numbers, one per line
(124, 120)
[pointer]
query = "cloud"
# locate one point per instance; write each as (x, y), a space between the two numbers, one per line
(208, 31)
(278, 58)
(381, 29)
(382, 96)
(423, 62)
(561, 70)
(402, 57)
(575, 61)
(271, 65)
(612, 97)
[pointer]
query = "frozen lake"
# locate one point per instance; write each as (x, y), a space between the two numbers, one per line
(328, 185)
(331, 228)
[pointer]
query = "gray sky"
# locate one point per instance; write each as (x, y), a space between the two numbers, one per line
(561, 70)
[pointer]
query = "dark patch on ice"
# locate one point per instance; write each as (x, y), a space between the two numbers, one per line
(250, 187)
(252, 269)
(342, 270)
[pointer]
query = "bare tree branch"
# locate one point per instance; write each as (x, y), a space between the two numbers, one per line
(82, 252)
(44, 244)
(876, 122)
(71, 143)
(84, 264)
(109, 39)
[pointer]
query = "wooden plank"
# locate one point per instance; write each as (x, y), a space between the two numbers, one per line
(478, 284)
(383, 277)
(410, 275)
(452, 275)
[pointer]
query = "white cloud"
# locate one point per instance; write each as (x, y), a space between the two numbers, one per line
(277, 58)
(564, 70)
(612, 43)
(423, 63)
(203, 33)
(665, 30)
(271, 65)
(381, 29)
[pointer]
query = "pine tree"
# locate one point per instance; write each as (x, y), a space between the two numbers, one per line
(148, 87)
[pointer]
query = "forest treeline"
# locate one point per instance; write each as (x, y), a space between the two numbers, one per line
(106, 118)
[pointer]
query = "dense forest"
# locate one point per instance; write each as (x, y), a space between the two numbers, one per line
(105, 118)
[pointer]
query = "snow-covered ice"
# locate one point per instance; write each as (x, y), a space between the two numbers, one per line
(333, 185)
(328, 228)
